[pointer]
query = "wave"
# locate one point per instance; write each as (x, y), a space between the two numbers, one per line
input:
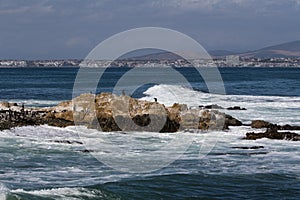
(168, 94)
(3, 191)
(64, 193)
(38, 158)
(277, 109)
(34, 102)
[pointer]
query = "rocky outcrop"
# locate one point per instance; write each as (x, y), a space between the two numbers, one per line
(13, 115)
(265, 124)
(231, 121)
(273, 133)
(260, 124)
(216, 106)
(109, 112)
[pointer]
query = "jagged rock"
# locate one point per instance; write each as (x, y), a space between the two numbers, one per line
(231, 121)
(265, 124)
(253, 147)
(86, 151)
(213, 106)
(66, 141)
(55, 122)
(288, 127)
(272, 133)
(109, 112)
(236, 108)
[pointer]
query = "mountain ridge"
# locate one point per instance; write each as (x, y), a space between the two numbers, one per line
(284, 50)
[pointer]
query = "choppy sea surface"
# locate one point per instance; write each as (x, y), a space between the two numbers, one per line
(33, 165)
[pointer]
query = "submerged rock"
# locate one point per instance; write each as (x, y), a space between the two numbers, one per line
(265, 124)
(231, 121)
(272, 133)
(213, 106)
(236, 108)
(253, 147)
(260, 124)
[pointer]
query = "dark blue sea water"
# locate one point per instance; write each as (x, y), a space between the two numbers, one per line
(32, 166)
(57, 83)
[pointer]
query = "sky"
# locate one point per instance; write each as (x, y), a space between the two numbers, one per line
(64, 29)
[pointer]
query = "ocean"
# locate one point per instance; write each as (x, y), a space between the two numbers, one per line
(34, 166)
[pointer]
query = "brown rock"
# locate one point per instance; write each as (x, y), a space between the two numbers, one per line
(109, 112)
(260, 124)
(272, 133)
(231, 121)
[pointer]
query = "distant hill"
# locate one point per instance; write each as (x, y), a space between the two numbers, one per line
(220, 53)
(172, 56)
(290, 49)
(157, 56)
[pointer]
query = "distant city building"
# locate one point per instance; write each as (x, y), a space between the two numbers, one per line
(232, 60)
(229, 61)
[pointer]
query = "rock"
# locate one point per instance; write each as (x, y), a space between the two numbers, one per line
(272, 133)
(253, 147)
(55, 122)
(265, 124)
(213, 106)
(260, 124)
(109, 112)
(15, 116)
(236, 108)
(66, 141)
(231, 121)
(87, 151)
(66, 115)
(5, 104)
(288, 127)
(116, 113)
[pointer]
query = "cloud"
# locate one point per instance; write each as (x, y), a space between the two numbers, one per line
(17, 9)
(64, 28)
(78, 42)
(222, 5)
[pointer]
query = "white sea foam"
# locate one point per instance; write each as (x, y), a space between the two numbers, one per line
(41, 132)
(276, 109)
(277, 156)
(81, 169)
(60, 193)
(34, 102)
(3, 191)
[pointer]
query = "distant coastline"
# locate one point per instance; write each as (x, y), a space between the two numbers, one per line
(227, 61)
(281, 55)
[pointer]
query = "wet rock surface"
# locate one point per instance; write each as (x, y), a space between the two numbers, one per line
(265, 124)
(13, 115)
(273, 133)
(236, 108)
(109, 112)
(253, 147)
